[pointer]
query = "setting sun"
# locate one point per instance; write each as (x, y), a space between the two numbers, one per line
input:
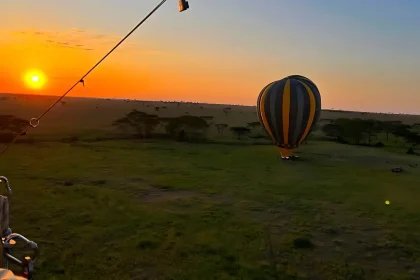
(35, 79)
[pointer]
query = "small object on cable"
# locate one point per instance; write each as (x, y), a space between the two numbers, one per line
(183, 5)
(82, 82)
(34, 122)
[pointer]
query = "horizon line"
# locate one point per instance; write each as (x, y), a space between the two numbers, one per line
(196, 102)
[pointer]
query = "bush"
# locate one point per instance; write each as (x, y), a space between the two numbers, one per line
(379, 145)
(410, 151)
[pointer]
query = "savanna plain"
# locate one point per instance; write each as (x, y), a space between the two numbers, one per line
(108, 207)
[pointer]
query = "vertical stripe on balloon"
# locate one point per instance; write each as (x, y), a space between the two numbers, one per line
(296, 111)
(275, 109)
(263, 111)
(259, 100)
(311, 112)
(286, 112)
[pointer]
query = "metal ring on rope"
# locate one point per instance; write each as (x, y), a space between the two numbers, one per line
(34, 122)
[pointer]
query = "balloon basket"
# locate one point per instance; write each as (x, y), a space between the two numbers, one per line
(289, 158)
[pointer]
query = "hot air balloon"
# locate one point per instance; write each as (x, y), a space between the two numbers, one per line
(288, 109)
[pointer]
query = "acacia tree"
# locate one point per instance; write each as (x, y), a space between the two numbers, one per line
(220, 128)
(187, 126)
(370, 128)
(141, 123)
(410, 137)
(240, 131)
(416, 127)
(10, 123)
(332, 131)
(208, 119)
(401, 131)
(10, 126)
(253, 125)
(227, 111)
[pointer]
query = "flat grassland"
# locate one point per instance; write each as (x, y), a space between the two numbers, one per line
(92, 117)
(166, 210)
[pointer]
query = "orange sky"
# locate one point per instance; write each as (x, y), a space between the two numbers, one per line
(64, 61)
(65, 56)
(148, 70)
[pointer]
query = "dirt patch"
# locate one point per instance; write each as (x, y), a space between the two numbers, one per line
(159, 195)
(358, 242)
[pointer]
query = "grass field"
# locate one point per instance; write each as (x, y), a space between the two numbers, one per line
(177, 211)
(167, 210)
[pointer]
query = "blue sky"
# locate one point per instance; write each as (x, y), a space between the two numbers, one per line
(363, 54)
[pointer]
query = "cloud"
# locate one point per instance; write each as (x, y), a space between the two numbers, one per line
(86, 40)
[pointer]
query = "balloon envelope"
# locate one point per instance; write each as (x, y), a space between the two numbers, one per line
(288, 109)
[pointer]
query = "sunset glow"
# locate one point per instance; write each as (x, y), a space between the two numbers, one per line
(35, 79)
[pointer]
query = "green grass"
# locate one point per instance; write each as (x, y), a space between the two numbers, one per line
(132, 210)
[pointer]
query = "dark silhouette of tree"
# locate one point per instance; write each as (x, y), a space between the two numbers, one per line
(10, 123)
(416, 127)
(208, 119)
(187, 125)
(164, 121)
(412, 138)
(227, 111)
(332, 131)
(400, 131)
(357, 130)
(253, 125)
(405, 131)
(220, 128)
(388, 127)
(10, 126)
(240, 131)
(141, 123)
(157, 109)
(353, 130)
(370, 128)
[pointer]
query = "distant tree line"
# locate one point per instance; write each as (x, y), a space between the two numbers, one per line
(143, 125)
(182, 128)
(365, 131)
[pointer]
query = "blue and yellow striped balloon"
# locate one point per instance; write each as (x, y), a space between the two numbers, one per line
(288, 109)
